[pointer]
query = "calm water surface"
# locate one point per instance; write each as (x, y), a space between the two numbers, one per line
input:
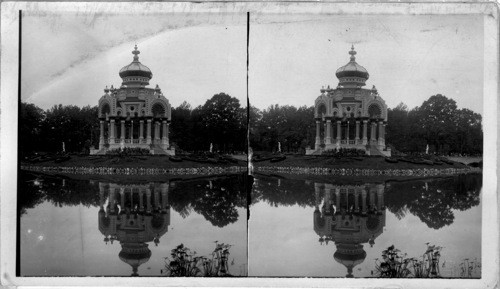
(102, 228)
(328, 228)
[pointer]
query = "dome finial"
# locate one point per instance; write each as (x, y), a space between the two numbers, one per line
(352, 53)
(136, 53)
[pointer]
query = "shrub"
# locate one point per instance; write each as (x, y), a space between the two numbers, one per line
(128, 152)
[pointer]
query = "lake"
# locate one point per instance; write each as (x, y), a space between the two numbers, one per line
(314, 226)
(92, 227)
(327, 227)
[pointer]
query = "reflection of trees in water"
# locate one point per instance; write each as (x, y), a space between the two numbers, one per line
(216, 198)
(34, 190)
(432, 201)
(283, 192)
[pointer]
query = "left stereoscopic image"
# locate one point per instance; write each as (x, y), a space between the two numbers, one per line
(132, 144)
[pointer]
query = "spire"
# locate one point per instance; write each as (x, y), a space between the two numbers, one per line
(136, 53)
(352, 53)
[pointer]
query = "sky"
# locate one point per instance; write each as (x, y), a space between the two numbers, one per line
(69, 58)
(409, 58)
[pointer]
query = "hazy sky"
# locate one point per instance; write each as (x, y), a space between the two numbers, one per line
(409, 58)
(69, 58)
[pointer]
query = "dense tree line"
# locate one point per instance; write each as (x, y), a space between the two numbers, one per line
(221, 121)
(437, 123)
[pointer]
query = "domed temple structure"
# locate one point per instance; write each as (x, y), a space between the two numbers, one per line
(132, 107)
(134, 215)
(350, 116)
(350, 216)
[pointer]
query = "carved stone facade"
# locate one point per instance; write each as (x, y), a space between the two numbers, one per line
(134, 116)
(349, 216)
(134, 215)
(350, 116)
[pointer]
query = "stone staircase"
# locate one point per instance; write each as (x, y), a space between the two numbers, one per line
(375, 151)
(157, 150)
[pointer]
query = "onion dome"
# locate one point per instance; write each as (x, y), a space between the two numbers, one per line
(349, 255)
(136, 73)
(352, 74)
(135, 254)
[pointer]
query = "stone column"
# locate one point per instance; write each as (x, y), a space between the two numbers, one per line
(141, 201)
(357, 131)
(373, 132)
(148, 200)
(112, 131)
(122, 132)
(363, 201)
(148, 137)
(380, 197)
(164, 134)
(337, 199)
(365, 132)
(157, 130)
(167, 135)
(328, 138)
(141, 130)
(372, 199)
(380, 133)
(101, 137)
(356, 200)
(318, 138)
(156, 199)
(317, 192)
(112, 200)
(164, 196)
(383, 134)
(131, 131)
(122, 199)
(339, 133)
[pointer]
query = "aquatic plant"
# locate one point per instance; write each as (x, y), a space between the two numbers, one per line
(394, 264)
(185, 263)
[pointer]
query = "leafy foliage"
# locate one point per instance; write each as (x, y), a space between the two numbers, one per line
(128, 152)
(394, 264)
(185, 263)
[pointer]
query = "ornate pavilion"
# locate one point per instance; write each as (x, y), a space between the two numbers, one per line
(134, 215)
(350, 116)
(142, 114)
(350, 216)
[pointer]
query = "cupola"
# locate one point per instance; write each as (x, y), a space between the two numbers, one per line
(136, 74)
(352, 74)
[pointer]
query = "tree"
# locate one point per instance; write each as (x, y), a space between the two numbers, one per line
(224, 123)
(31, 118)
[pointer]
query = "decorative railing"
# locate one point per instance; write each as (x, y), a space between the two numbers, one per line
(352, 142)
(127, 141)
(360, 141)
(144, 141)
(117, 140)
(343, 141)
(135, 141)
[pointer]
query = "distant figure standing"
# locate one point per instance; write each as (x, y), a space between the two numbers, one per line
(64, 148)
(211, 147)
(427, 149)
(279, 147)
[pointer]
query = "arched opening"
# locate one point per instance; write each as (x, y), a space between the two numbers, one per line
(105, 110)
(158, 110)
(374, 111)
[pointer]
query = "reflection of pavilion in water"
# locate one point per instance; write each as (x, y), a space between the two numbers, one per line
(350, 216)
(134, 215)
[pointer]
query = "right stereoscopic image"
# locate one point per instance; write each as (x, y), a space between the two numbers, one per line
(366, 146)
